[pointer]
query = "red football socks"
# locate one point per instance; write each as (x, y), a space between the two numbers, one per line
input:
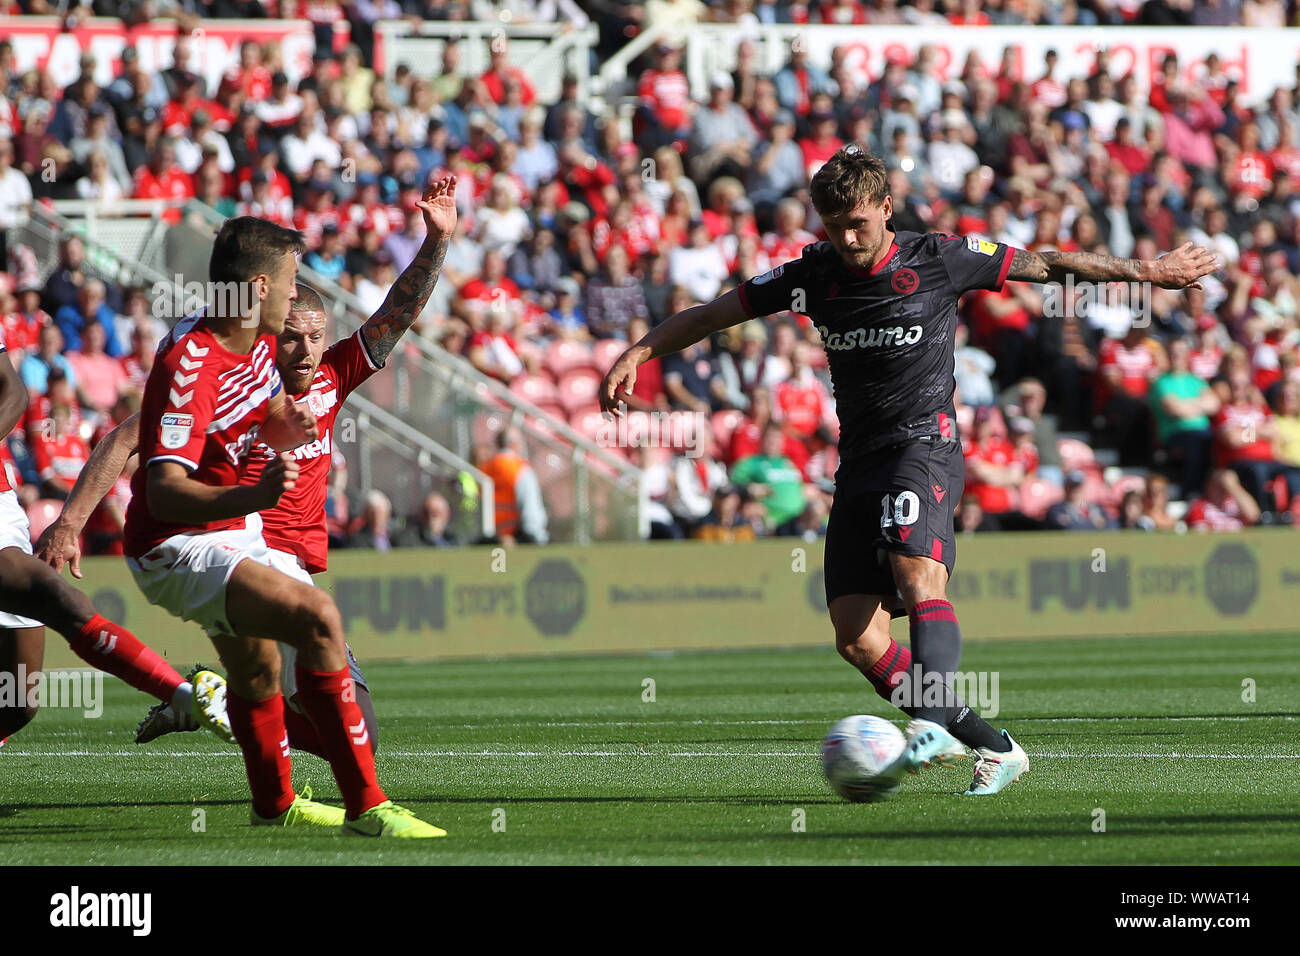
(330, 702)
(259, 729)
(113, 649)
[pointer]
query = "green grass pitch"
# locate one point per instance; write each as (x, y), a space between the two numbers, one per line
(573, 767)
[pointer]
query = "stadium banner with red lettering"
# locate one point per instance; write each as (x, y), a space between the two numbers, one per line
(1260, 59)
(629, 598)
(40, 44)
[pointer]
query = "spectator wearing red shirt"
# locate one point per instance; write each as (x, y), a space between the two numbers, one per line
(23, 324)
(1125, 150)
(60, 457)
(1243, 442)
(251, 78)
(802, 402)
(586, 178)
(263, 204)
(491, 291)
(1001, 326)
(494, 79)
(666, 107)
(163, 178)
(821, 144)
(993, 468)
(1225, 507)
(1125, 372)
(1206, 358)
(1047, 89)
(1251, 173)
(787, 239)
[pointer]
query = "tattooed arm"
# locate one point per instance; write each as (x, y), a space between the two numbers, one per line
(409, 294)
(1176, 270)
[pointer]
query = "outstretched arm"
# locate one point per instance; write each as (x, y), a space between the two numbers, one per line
(1175, 270)
(409, 294)
(674, 334)
(13, 398)
(61, 541)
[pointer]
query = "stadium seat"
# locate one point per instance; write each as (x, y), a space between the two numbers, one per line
(587, 420)
(578, 387)
(1125, 484)
(563, 355)
(1036, 496)
(553, 410)
(538, 389)
(41, 514)
(1075, 454)
(606, 352)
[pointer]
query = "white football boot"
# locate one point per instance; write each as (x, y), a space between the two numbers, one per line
(995, 771)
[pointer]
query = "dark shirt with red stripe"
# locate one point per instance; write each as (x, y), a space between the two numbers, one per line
(888, 333)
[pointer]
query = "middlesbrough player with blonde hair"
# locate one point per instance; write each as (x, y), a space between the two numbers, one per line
(193, 537)
(294, 529)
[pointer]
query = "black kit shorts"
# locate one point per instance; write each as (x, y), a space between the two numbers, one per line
(900, 499)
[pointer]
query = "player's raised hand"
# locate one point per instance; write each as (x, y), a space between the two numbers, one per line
(1181, 268)
(439, 207)
(58, 545)
(618, 384)
(279, 476)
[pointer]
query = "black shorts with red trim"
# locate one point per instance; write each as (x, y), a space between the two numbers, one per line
(900, 499)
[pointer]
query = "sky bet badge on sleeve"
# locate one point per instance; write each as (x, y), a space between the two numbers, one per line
(176, 431)
(982, 246)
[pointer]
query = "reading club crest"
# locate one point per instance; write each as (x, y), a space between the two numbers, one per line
(905, 281)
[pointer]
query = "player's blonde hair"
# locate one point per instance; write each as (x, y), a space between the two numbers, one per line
(849, 178)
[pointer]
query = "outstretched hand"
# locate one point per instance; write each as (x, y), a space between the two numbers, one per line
(618, 384)
(439, 207)
(1181, 268)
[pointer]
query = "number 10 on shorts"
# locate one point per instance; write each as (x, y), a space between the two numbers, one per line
(902, 509)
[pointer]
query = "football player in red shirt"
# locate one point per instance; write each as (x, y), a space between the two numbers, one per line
(32, 596)
(194, 541)
(295, 537)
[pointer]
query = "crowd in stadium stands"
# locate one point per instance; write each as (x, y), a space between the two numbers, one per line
(1080, 408)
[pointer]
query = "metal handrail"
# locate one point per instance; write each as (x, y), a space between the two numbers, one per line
(414, 437)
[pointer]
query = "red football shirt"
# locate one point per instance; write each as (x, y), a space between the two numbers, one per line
(297, 523)
(203, 406)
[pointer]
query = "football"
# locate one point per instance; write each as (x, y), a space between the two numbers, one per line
(855, 752)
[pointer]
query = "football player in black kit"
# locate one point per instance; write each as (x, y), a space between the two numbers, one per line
(885, 303)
